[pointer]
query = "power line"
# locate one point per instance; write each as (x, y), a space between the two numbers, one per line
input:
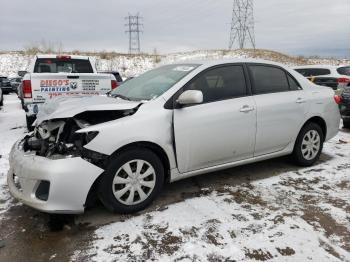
(133, 29)
(242, 25)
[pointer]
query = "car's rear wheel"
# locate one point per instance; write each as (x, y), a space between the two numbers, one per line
(132, 180)
(346, 123)
(309, 144)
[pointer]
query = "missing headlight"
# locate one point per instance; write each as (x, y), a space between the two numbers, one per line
(89, 136)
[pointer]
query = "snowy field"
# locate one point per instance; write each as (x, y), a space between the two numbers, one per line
(269, 211)
(128, 66)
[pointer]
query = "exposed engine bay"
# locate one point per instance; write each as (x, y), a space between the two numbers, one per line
(57, 138)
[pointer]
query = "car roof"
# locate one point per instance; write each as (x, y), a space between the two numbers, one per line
(211, 62)
(71, 56)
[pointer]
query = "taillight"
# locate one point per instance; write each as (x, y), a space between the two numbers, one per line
(114, 84)
(337, 99)
(343, 80)
(27, 89)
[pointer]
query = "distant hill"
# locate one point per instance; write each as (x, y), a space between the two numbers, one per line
(131, 65)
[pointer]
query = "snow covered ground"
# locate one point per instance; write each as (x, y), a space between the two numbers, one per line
(12, 120)
(292, 216)
(267, 211)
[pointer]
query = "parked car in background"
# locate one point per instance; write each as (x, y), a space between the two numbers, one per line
(5, 85)
(15, 81)
(53, 76)
(336, 77)
(116, 75)
(344, 107)
(1, 98)
(170, 123)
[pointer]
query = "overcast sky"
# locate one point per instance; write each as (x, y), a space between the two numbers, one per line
(311, 27)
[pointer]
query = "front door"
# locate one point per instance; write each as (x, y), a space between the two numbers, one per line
(221, 129)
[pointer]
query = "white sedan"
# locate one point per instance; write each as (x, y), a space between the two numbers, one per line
(170, 123)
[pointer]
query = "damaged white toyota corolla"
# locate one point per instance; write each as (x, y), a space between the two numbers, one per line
(170, 123)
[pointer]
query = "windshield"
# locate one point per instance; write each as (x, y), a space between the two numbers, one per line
(153, 83)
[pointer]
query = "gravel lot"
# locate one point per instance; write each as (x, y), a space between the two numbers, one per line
(268, 211)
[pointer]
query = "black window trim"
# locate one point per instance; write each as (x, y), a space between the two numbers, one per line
(274, 66)
(171, 103)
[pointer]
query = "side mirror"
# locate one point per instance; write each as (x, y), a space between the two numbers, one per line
(21, 73)
(190, 97)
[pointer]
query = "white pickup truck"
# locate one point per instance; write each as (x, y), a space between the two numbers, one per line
(53, 76)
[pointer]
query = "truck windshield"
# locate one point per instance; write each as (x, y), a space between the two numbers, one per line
(153, 83)
(55, 65)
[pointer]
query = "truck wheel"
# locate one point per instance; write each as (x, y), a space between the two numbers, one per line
(132, 181)
(309, 144)
(346, 123)
(30, 120)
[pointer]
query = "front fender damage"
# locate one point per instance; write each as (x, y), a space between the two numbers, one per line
(58, 138)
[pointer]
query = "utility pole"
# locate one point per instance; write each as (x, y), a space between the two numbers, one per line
(133, 26)
(242, 25)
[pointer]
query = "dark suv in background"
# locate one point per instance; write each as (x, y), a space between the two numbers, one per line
(5, 85)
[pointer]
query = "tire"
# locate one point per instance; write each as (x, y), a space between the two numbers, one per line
(30, 120)
(305, 153)
(346, 123)
(1, 100)
(128, 202)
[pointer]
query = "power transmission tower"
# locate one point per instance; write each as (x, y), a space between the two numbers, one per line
(242, 25)
(133, 29)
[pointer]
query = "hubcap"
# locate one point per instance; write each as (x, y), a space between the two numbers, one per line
(134, 182)
(311, 145)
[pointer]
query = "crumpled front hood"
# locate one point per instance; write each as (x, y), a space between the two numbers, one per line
(65, 107)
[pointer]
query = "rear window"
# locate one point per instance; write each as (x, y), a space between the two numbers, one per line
(344, 70)
(54, 65)
(307, 72)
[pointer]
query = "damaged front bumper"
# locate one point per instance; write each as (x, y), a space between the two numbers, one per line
(50, 185)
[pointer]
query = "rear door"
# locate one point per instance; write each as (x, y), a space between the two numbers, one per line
(54, 77)
(281, 107)
(222, 128)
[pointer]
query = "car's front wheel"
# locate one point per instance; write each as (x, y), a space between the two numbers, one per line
(132, 180)
(309, 144)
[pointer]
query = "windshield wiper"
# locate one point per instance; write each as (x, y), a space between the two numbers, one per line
(121, 96)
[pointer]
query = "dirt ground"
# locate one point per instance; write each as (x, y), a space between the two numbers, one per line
(28, 235)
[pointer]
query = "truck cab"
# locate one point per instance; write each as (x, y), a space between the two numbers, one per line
(54, 76)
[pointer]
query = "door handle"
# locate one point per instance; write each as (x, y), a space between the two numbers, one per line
(300, 100)
(246, 109)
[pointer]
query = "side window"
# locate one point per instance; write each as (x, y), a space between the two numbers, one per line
(268, 79)
(293, 84)
(220, 83)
